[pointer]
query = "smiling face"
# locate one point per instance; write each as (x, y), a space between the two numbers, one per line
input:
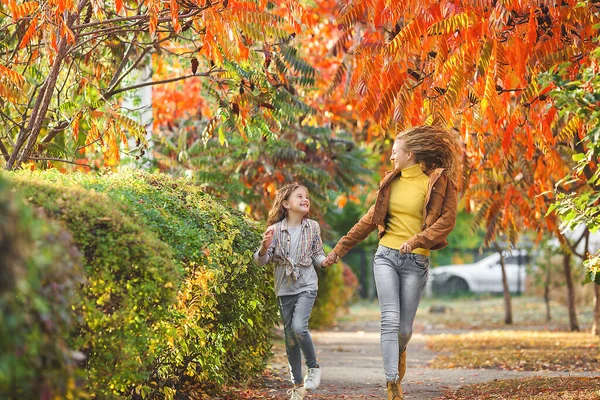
(401, 158)
(298, 201)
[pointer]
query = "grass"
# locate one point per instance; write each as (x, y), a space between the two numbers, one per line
(530, 344)
(531, 389)
(517, 350)
(476, 313)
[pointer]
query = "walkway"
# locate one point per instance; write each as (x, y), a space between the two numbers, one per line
(352, 368)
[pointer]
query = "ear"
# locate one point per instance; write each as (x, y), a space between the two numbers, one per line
(285, 204)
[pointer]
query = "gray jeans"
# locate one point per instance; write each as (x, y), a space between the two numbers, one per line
(295, 312)
(400, 280)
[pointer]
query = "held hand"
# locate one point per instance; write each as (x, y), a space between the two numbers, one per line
(405, 248)
(331, 259)
(266, 242)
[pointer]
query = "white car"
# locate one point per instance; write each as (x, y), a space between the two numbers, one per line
(483, 276)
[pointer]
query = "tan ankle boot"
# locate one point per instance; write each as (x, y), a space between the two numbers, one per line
(402, 365)
(394, 390)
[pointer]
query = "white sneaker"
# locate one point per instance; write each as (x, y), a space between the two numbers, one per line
(313, 378)
(297, 393)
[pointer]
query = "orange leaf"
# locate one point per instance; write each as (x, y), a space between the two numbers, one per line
(25, 9)
(29, 34)
(175, 16)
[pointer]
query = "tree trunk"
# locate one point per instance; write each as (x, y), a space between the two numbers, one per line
(508, 318)
(547, 292)
(571, 293)
(596, 325)
(31, 132)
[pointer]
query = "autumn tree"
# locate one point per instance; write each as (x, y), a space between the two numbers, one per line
(577, 98)
(473, 66)
(64, 66)
(292, 134)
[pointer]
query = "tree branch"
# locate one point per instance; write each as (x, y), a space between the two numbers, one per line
(58, 160)
(123, 62)
(571, 247)
(141, 85)
(141, 17)
(4, 151)
(116, 82)
(55, 131)
(31, 132)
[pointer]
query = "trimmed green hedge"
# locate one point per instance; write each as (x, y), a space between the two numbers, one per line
(170, 303)
(173, 303)
(39, 275)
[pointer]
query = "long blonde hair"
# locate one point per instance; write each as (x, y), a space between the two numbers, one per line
(433, 147)
(278, 211)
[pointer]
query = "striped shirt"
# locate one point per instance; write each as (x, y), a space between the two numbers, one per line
(299, 275)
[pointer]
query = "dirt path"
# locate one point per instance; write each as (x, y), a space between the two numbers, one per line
(352, 368)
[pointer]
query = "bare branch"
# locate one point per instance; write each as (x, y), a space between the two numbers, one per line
(58, 160)
(141, 85)
(123, 62)
(115, 82)
(141, 17)
(3, 114)
(4, 151)
(55, 131)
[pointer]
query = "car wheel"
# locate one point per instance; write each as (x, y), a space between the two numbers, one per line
(455, 286)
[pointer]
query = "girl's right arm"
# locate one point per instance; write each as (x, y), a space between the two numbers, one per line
(357, 234)
(267, 245)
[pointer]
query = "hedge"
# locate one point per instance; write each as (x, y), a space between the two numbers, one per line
(172, 304)
(38, 284)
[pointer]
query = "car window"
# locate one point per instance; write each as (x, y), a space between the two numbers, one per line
(511, 260)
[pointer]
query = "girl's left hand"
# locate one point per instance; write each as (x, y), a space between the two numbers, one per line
(405, 248)
(331, 259)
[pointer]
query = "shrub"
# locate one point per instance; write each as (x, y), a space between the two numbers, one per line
(144, 239)
(337, 285)
(130, 286)
(227, 301)
(38, 279)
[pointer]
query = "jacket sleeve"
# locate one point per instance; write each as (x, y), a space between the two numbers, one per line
(357, 233)
(441, 228)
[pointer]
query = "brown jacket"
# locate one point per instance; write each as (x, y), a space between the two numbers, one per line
(439, 215)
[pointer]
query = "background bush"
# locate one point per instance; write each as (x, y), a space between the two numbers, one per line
(337, 286)
(39, 276)
(226, 302)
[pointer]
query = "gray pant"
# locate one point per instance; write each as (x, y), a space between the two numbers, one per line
(295, 312)
(400, 280)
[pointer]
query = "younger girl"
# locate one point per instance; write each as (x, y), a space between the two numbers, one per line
(293, 244)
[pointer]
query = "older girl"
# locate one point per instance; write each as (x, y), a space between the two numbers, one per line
(414, 212)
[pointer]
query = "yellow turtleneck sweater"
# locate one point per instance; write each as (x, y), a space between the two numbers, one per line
(405, 209)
